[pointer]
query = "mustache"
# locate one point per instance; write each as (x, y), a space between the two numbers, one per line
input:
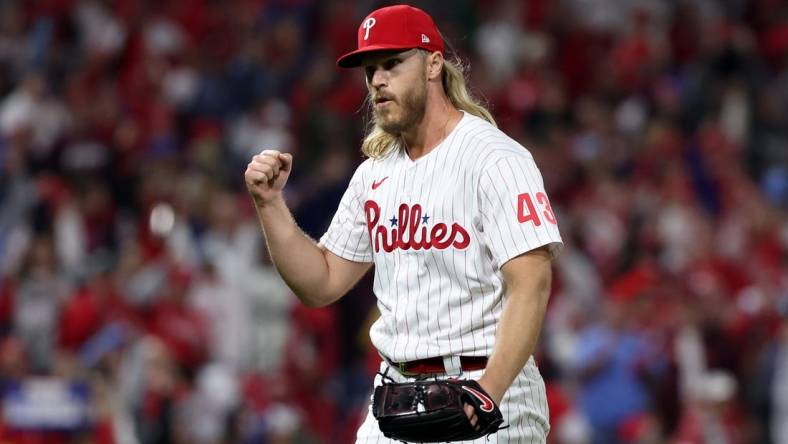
(382, 96)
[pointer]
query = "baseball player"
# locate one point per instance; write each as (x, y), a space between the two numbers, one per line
(453, 215)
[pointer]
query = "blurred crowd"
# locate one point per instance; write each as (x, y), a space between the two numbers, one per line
(137, 301)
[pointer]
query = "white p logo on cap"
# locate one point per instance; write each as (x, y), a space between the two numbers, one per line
(367, 25)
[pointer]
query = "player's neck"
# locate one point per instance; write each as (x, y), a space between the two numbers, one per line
(439, 120)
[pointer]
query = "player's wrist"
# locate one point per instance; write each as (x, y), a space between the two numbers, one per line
(264, 203)
(271, 210)
(494, 390)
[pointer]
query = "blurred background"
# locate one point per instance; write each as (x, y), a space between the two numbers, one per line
(137, 303)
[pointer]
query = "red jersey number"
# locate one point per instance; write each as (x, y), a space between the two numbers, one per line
(526, 210)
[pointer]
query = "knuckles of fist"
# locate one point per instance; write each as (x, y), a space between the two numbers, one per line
(266, 166)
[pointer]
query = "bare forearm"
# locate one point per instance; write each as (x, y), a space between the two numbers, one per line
(518, 331)
(316, 276)
(300, 262)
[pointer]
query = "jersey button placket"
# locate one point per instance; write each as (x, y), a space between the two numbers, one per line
(407, 198)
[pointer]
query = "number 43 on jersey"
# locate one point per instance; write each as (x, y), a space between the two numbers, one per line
(527, 212)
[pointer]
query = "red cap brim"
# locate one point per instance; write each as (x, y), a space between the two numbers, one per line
(353, 59)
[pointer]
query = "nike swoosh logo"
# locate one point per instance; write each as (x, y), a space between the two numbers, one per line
(487, 403)
(375, 185)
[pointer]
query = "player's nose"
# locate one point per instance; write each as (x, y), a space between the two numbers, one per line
(379, 79)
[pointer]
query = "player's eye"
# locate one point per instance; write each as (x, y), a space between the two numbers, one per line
(391, 63)
(369, 71)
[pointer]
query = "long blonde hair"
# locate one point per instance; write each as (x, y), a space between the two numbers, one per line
(378, 143)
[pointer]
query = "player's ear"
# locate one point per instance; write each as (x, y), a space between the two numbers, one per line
(434, 65)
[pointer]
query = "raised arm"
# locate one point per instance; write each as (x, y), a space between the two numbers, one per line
(317, 276)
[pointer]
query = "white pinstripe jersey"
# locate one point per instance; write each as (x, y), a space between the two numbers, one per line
(438, 230)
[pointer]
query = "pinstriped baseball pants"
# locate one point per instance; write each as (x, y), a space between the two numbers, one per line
(524, 409)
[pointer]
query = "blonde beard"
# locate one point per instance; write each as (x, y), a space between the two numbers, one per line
(378, 142)
(413, 106)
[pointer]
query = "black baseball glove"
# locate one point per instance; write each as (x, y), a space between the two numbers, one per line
(433, 411)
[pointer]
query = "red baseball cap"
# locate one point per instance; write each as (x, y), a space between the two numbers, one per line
(391, 28)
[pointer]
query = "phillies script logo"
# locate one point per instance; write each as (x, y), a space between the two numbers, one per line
(409, 230)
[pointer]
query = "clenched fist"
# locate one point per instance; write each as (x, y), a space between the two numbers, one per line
(267, 174)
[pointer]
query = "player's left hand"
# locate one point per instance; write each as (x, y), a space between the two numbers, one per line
(495, 395)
